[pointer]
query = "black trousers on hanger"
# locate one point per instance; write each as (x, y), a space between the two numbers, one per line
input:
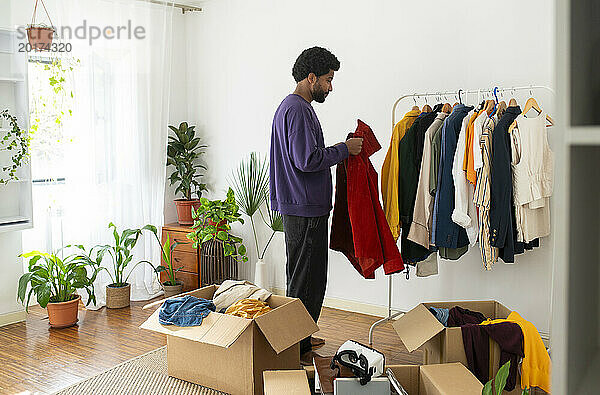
(306, 248)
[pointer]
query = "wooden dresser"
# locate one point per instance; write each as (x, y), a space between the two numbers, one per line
(183, 255)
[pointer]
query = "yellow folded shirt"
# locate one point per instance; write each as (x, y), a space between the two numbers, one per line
(536, 367)
(248, 308)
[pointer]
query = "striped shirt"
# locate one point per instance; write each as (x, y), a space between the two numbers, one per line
(481, 198)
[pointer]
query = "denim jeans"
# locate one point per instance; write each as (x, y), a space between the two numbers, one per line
(185, 311)
(306, 248)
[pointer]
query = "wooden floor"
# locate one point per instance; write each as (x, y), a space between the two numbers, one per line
(36, 359)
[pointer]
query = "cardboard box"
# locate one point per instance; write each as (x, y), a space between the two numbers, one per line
(229, 353)
(420, 329)
(440, 379)
(445, 379)
(290, 382)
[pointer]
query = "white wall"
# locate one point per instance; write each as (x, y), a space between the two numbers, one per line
(240, 55)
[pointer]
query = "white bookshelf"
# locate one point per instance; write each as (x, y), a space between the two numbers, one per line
(575, 329)
(16, 208)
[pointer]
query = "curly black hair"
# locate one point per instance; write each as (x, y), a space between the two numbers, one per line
(314, 60)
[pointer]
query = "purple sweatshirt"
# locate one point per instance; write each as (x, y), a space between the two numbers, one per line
(300, 163)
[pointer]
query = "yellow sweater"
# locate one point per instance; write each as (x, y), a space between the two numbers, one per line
(535, 371)
(390, 173)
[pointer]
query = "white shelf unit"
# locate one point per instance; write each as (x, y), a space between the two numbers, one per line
(576, 278)
(16, 206)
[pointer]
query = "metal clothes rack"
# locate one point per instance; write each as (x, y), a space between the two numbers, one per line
(438, 96)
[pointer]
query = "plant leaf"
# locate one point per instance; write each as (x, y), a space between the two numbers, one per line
(501, 377)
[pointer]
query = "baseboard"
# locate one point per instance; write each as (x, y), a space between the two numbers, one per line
(11, 318)
(371, 309)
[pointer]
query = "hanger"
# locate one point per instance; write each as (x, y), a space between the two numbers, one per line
(459, 98)
(426, 108)
(531, 103)
(513, 101)
(495, 102)
(447, 108)
(501, 108)
(415, 107)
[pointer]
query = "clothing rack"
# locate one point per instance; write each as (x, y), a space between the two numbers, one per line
(439, 96)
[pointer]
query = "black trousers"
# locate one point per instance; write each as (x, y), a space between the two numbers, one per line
(306, 248)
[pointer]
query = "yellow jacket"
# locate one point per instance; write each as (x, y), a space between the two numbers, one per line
(390, 173)
(535, 370)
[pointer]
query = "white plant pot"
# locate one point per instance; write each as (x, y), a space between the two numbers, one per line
(261, 275)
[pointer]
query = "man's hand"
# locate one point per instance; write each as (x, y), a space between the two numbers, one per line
(354, 145)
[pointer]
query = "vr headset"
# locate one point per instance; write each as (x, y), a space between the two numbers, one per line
(364, 362)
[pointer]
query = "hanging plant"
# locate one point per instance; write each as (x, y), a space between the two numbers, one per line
(15, 141)
(40, 35)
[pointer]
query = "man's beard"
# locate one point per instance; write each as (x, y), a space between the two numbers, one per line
(318, 94)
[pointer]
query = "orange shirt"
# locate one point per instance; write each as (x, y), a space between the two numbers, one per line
(468, 159)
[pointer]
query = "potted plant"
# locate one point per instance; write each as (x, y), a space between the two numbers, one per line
(251, 184)
(212, 225)
(16, 142)
(118, 292)
(40, 35)
(183, 151)
(55, 280)
(172, 286)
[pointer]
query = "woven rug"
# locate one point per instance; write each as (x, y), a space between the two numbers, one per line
(146, 374)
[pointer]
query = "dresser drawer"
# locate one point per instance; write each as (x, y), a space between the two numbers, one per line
(188, 260)
(186, 244)
(189, 280)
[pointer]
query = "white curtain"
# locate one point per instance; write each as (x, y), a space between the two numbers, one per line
(117, 136)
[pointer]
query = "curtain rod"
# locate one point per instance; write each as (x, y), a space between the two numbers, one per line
(184, 8)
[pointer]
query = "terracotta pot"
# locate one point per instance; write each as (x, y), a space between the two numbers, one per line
(40, 38)
(63, 314)
(184, 210)
(172, 290)
(117, 297)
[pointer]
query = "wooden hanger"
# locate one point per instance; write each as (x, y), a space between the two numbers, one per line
(531, 103)
(489, 106)
(415, 108)
(426, 108)
(512, 102)
(455, 104)
(501, 108)
(447, 108)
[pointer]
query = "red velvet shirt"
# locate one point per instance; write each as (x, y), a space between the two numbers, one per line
(359, 228)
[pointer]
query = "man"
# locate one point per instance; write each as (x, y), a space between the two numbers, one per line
(301, 186)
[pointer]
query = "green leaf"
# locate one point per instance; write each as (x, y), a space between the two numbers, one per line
(501, 377)
(222, 235)
(242, 249)
(43, 295)
(487, 388)
(23, 282)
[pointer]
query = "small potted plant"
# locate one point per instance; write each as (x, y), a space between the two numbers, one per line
(172, 286)
(251, 184)
(118, 292)
(212, 225)
(55, 280)
(183, 151)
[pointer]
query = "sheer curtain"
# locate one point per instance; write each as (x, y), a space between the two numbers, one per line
(117, 136)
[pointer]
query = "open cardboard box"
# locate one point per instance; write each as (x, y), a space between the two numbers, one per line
(420, 329)
(229, 353)
(441, 379)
